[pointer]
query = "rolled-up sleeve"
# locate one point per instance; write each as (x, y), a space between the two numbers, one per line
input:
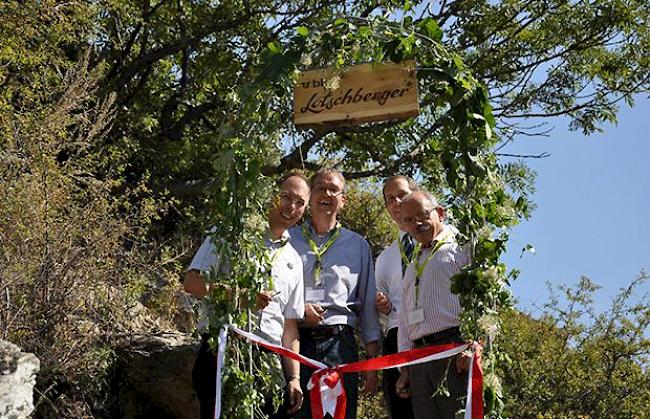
(206, 257)
(295, 308)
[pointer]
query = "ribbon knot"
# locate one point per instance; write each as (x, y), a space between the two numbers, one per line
(327, 393)
(332, 377)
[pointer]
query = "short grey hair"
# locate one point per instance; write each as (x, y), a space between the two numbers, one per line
(326, 171)
(294, 173)
(421, 193)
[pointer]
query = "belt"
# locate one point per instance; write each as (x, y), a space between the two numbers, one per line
(437, 337)
(323, 332)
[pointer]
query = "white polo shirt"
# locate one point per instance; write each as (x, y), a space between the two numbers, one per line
(286, 272)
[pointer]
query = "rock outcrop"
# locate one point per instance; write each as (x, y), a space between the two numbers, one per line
(18, 371)
(154, 377)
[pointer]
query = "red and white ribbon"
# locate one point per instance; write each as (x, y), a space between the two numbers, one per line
(221, 351)
(327, 394)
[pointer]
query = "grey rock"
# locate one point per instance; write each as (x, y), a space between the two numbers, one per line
(18, 371)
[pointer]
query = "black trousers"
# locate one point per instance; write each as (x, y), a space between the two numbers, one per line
(203, 379)
(398, 408)
(204, 382)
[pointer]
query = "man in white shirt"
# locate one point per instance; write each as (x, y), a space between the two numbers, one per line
(430, 311)
(389, 272)
(280, 306)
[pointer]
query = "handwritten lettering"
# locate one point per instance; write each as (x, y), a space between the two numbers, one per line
(317, 103)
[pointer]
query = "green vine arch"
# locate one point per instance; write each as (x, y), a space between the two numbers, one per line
(449, 146)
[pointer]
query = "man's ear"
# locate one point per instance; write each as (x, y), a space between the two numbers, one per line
(441, 213)
(272, 203)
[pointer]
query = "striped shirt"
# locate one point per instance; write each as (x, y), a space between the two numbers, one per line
(441, 308)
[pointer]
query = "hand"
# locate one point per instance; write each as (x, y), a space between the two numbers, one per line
(263, 299)
(382, 303)
(294, 393)
(369, 383)
(313, 314)
(402, 385)
(194, 284)
(462, 361)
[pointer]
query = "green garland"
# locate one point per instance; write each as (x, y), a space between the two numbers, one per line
(452, 140)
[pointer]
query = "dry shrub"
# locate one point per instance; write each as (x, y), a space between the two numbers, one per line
(71, 268)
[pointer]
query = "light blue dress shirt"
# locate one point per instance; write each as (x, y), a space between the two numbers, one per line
(347, 279)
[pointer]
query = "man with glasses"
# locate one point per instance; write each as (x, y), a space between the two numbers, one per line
(389, 272)
(430, 312)
(280, 306)
(339, 288)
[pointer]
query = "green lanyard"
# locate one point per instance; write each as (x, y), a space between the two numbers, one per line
(272, 257)
(319, 251)
(419, 269)
(402, 251)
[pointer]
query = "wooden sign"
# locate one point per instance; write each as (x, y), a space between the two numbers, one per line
(363, 93)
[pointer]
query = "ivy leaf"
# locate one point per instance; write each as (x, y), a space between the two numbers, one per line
(431, 29)
(302, 31)
(274, 47)
(406, 45)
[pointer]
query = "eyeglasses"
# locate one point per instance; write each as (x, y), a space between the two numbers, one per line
(288, 199)
(332, 191)
(419, 217)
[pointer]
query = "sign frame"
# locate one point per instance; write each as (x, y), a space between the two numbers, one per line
(362, 93)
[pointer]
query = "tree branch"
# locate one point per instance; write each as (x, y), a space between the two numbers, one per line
(297, 158)
(526, 156)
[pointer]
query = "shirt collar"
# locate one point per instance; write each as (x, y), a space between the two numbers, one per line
(442, 233)
(313, 233)
(279, 242)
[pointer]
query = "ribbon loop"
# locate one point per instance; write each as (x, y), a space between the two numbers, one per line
(326, 389)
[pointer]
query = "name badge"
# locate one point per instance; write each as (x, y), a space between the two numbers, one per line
(314, 295)
(416, 316)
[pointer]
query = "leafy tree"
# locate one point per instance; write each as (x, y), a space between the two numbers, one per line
(73, 263)
(573, 362)
(202, 104)
(365, 213)
(539, 58)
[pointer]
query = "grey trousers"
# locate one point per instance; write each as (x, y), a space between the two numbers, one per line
(430, 383)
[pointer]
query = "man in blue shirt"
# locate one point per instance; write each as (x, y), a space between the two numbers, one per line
(339, 289)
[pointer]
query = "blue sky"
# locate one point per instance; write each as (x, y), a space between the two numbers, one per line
(593, 209)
